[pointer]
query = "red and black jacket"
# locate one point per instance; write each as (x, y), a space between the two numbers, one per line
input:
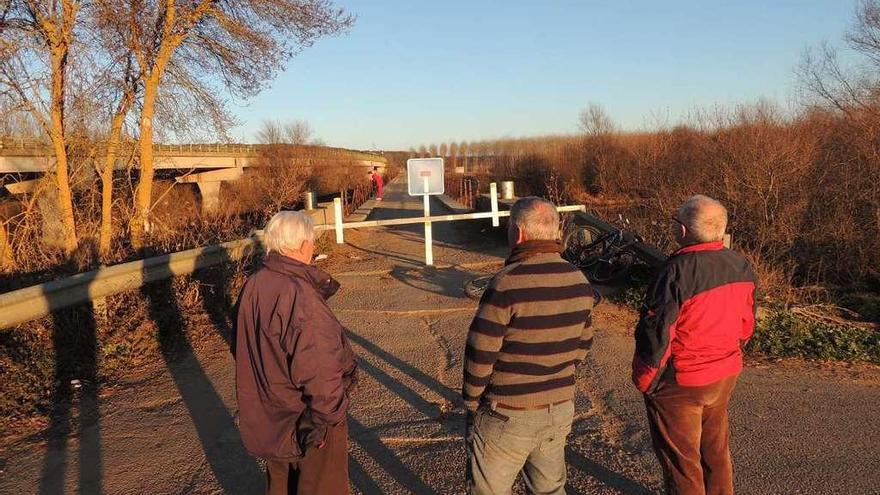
(697, 315)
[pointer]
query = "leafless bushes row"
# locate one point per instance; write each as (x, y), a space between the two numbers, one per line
(802, 185)
(802, 189)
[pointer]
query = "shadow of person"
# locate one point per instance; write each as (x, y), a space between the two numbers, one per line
(213, 288)
(74, 339)
(609, 478)
(369, 442)
(235, 470)
(416, 374)
(360, 479)
(76, 388)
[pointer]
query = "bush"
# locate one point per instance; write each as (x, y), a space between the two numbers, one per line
(784, 334)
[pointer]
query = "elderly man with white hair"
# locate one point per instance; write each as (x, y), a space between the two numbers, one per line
(294, 366)
(697, 316)
(532, 328)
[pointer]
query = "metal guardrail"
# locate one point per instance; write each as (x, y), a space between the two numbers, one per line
(37, 301)
(34, 302)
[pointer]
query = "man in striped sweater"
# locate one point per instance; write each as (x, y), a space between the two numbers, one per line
(531, 329)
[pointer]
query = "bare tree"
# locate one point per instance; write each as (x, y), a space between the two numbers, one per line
(853, 91)
(298, 132)
(240, 44)
(453, 152)
(34, 63)
(279, 179)
(594, 121)
(271, 132)
(120, 85)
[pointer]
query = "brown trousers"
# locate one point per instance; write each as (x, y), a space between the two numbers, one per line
(689, 429)
(321, 471)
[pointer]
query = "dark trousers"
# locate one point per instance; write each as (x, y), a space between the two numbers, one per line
(689, 429)
(321, 471)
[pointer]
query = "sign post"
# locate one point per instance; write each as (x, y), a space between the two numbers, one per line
(429, 237)
(425, 178)
(337, 218)
(493, 200)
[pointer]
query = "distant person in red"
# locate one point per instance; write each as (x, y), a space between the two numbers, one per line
(378, 183)
(697, 316)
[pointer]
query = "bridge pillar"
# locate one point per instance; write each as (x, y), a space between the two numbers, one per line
(210, 192)
(209, 185)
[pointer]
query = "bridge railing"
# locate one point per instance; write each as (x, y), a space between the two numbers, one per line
(33, 146)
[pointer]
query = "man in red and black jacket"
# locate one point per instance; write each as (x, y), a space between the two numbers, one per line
(697, 316)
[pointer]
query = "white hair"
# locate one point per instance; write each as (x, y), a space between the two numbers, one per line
(287, 230)
(704, 217)
(537, 218)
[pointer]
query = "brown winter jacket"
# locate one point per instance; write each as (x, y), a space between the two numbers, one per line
(293, 364)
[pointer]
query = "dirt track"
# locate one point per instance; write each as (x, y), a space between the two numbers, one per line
(798, 428)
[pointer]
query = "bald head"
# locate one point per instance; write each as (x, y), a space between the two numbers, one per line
(536, 218)
(704, 218)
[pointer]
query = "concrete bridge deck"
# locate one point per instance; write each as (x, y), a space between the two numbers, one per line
(797, 427)
(32, 157)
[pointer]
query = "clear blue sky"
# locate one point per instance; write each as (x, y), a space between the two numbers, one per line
(413, 72)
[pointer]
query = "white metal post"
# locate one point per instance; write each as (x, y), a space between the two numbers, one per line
(493, 198)
(429, 241)
(337, 218)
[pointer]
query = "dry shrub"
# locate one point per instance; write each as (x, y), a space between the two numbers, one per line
(775, 279)
(803, 189)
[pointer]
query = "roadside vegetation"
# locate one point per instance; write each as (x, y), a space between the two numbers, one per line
(100, 82)
(102, 85)
(802, 186)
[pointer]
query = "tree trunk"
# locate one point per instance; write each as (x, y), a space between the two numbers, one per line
(106, 235)
(56, 132)
(144, 192)
(6, 260)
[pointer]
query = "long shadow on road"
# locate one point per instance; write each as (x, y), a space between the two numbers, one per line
(360, 478)
(235, 470)
(370, 442)
(607, 477)
(416, 374)
(74, 338)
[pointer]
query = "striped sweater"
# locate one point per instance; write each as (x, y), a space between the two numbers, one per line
(531, 329)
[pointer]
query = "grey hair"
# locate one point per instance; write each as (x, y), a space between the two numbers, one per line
(287, 230)
(704, 217)
(537, 218)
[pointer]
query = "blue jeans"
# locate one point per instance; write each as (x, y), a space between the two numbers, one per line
(503, 442)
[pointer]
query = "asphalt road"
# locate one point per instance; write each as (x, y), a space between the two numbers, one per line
(797, 427)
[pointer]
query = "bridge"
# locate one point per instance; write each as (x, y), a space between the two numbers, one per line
(206, 165)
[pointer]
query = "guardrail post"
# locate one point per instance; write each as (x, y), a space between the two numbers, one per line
(493, 198)
(337, 218)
